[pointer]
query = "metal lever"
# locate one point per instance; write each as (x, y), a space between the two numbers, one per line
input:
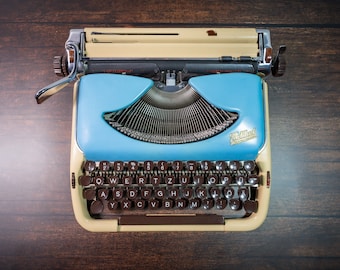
(279, 62)
(55, 87)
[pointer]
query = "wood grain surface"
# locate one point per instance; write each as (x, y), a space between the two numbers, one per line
(37, 226)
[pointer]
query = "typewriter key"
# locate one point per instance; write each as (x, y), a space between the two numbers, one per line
(220, 165)
(162, 165)
(103, 194)
(249, 165)
(215, 192)
(206, 165)
(140, 204)
(234, 165)
(89, 194)
(177, 165)
(229, 192)
(96, 207)
(99, 180)
(243, 194)
(168, 203)
(250, 206)
(148, 165)
(221, 203)
(85, 180)
(89, 166)
(112, 205)
(235, 204)
(194, 203)
(208, 203)
(240, 180)
(253, 179)
(104, 166)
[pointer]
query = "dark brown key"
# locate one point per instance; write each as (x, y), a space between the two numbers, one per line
(215, 192)
(206, 165)
(194, 203)
(234, 165)
(89, 194)
(103, 194)
(220, 165)
(250, 206)
(118, 166)
(207, 203)
(98, 180)
(198, 180)
(187, 193)
(212, 180)
(162, 165)
(89, 166)
(240, 180)
(201, 193)
(177, 166)
(85, 180)
(132, 193)
(160, 193)
(184, 180)
(127, 180)
(104, 166)
(173, 193)
(249, 165)
(170, 180)
(229, 192)
(226, 179)
(133, 166)
(141, 180)
(168, 204)
(243, 194)
(181, 203)
(221, 203)
(112, 205)
(140, 204)
(191, 165)
(253, 179)
(113, 181)
(96, 207)
(153, 204)
(235, 204)
(155, 180)
(126, 204)
(146, 193)
(148, 165)
(117, 193)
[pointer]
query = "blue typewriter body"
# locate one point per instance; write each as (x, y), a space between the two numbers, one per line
(236, 92)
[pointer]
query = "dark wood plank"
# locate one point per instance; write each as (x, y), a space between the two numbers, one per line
(190, 12)
(37, 227)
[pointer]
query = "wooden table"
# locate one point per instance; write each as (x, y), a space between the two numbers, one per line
(37, 226)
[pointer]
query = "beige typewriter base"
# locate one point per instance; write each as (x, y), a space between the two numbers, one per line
(240, 224)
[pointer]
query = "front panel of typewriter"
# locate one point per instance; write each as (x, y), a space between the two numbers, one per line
(170, 127)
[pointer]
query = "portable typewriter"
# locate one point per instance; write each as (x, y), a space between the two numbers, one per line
(170, 127)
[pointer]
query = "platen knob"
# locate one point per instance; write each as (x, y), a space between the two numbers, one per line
(60, 65)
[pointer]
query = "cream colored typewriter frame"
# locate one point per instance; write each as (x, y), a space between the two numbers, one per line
(170, 43)
(103, 225)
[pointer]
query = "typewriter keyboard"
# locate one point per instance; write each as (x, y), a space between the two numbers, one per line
(119, 188)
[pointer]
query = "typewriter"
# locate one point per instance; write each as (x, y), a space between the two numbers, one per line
(170, 127)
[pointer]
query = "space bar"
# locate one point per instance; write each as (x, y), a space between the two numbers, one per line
(170, 219)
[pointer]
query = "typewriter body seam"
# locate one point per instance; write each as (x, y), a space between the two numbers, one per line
(135, 65)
